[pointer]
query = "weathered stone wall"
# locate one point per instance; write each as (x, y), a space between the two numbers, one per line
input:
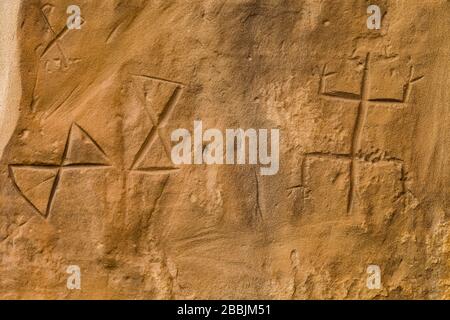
(86, 178)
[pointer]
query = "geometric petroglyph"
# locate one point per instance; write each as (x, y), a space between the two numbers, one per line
(159, 98)
(57, 36)
(355, 156)
(55, 42)
(38, 183)
(56, 64)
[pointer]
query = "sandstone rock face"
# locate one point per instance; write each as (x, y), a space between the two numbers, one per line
(87, 180)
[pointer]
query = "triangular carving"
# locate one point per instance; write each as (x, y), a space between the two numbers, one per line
(156, 156)
(81, 148)
(35, 184)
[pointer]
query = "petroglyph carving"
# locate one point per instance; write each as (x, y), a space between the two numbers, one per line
(159, 113)
(38, 182)
(364, 101)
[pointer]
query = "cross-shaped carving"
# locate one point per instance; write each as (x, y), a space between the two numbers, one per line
(364, 101)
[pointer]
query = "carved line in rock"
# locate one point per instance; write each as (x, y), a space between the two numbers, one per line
(55, 42)
(57, 36)
(158, 124)
(41, 196)
(364, 101)
(49, 175)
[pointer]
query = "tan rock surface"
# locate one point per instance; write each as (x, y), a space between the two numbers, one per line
(364, 167)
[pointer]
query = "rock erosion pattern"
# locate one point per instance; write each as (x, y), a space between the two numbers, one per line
(86, 178)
